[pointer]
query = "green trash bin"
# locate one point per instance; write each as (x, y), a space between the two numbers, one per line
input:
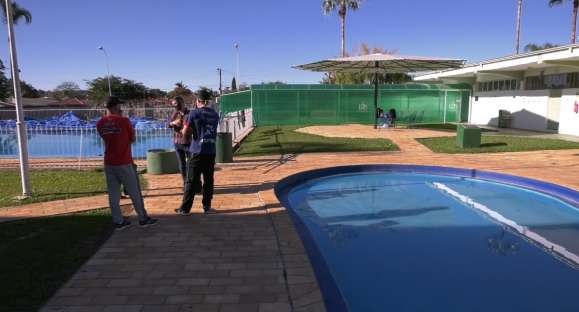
(468, 136)
(162, 161)
(224, 147)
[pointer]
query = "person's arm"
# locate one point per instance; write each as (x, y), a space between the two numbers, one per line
(189, 128)
(131, 131)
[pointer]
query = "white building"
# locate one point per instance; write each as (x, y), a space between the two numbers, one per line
(540, 89)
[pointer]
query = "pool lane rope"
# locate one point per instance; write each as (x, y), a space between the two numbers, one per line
(523, 230)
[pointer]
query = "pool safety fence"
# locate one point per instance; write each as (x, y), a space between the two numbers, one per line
(83, 141)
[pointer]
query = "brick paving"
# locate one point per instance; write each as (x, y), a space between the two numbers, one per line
(249, 257)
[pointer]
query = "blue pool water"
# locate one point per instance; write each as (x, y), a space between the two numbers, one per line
(80, 144)
(406, 241)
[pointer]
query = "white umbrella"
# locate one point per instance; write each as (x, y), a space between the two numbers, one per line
(382, 63)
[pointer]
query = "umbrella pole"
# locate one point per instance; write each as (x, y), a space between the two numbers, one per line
(376, 96)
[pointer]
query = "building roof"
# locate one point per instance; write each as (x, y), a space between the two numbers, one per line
(512, 66)
(47, 103)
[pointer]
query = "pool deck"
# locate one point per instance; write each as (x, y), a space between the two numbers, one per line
(249, 257)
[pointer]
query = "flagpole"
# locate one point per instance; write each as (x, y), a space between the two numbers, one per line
(20, 123)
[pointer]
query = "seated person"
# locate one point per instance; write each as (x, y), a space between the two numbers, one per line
(391, 118)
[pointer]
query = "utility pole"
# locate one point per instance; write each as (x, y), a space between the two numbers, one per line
(220, 71)
(20, 123)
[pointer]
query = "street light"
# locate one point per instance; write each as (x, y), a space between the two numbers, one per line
(108, 69)
(236, 45)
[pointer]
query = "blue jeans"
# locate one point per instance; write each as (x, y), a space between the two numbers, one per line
(183, 154)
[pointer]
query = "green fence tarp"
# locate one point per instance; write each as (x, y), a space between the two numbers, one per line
(344, 104)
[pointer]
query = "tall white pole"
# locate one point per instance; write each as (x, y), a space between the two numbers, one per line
(20, 124)
(237, 65)
(518, 30)
(108, 69)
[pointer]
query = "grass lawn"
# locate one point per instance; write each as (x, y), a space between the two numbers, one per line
(436, 126)
(273, 140)
(50, 185)
(497, 144)
(38, 256)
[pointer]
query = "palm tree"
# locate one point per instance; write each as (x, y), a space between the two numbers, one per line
(575, 9)
(342, 6)
(18, 13)
(519, 14)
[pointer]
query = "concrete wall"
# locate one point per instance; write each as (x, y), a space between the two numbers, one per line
(528, 108)
(569, 120)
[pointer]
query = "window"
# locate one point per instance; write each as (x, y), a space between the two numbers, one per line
(498, 85)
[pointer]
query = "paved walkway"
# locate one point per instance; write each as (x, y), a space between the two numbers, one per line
(248, 257)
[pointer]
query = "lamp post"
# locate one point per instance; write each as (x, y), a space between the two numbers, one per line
(236, 45)
(108, 69)
(518, 30)
(20, 123)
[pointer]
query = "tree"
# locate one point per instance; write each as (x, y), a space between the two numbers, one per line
(553, 3)
(356, 78)
(4, 84)
(233, 84)
(276, 82)
(518, 27)
(18, 13)
(28, 91)
(536, 47)
(342, 6)
(125, 89)
(67, 90)
(156, 93)
(180, 90)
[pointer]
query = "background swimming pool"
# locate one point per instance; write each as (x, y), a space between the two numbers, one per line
(80, 143)
(400, 241)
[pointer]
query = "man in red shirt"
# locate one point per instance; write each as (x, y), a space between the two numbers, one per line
(118, 135)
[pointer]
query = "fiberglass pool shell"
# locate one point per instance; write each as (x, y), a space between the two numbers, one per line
(425, 238)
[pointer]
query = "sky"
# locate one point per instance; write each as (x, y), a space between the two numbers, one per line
(160, 42)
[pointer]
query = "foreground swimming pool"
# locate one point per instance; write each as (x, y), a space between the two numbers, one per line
(412, 238)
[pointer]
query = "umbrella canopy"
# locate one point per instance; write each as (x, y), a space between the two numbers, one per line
(382, 63)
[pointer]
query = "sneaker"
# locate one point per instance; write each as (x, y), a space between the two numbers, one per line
(121, 226)
(148, 222)
(181, 212)
(209, 210)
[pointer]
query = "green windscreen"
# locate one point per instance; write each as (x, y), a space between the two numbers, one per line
(344, 104)
(235, 102)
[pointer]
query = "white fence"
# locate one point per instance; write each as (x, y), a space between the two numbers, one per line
(84, 142)
(238, 123)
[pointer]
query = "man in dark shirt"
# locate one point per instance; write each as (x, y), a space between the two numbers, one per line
(181, 142)
(118, 135)
(201, 124)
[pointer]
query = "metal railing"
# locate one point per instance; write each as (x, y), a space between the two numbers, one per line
(87, 114)
(77, 142)
(82, 142)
